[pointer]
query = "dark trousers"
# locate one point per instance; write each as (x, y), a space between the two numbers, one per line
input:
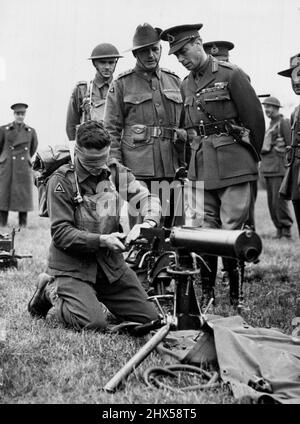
(4, 218)
(296, 204)
(278, 207)
(251, 221)
(78, 304)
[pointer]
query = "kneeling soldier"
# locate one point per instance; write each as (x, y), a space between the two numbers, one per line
(85, 263)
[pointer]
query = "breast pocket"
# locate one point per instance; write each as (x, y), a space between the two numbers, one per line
(191, 114)
(233, 159)
(219, 103)
(175, 104)
(138, 107)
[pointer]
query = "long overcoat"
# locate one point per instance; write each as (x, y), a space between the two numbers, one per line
(17, 146)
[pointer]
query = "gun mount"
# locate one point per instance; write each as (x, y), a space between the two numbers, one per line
(173, 255)
(8, 256)
(159, 248)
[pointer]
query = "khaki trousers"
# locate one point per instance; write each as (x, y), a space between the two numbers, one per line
(80, 305)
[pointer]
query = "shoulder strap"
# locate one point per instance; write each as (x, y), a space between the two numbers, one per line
(115, 176)
(206, 113)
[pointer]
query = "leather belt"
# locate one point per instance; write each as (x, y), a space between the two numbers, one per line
(216, 128)
(153, 131)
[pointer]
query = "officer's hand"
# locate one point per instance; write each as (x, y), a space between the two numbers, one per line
(181, 136)
(134, 233)
(113, 241)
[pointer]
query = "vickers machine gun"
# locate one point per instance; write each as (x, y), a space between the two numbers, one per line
(173, 257)
(8, 256)
(159, 251)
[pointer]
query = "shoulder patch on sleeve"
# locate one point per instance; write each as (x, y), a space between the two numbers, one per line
(59, 188)
(123, 74)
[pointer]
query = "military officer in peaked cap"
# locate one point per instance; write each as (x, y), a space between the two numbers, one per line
(142, 113)
(87, 100)
(219, 101)
(18, 143)
(218, 49)
(290, 187)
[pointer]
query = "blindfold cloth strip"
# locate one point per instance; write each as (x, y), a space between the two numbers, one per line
(94, 163)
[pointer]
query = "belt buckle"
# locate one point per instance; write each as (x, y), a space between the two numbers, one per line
(202, 131)
(157, 131)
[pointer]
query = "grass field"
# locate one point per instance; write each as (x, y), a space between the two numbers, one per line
(44, 363)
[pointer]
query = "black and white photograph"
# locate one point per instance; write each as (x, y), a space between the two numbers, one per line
(149, 207)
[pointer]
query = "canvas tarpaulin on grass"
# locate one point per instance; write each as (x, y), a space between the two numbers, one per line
(245, 353)
(248, 357)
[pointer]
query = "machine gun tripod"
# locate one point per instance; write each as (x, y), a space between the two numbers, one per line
(187, 245)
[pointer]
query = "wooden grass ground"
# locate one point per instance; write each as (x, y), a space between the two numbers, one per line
(42, 362)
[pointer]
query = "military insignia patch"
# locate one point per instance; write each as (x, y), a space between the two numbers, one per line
(171, 38)
(214, 50)
(59, 189)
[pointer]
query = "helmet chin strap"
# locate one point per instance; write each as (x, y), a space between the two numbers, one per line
(144, 67)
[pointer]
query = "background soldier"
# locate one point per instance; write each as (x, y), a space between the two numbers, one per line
(290, 187)
(272, 167)
(218, 102)
(218, 49)
(18, 143)
(87, 101)
(142, 113)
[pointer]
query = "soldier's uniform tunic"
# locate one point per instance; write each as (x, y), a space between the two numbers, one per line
(87, 102)
(86, 273)
(225, 166)
(141, 113)
(292, 177)
(217, 159)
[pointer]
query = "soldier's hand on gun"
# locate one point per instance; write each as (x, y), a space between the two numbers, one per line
(113, 241)
(134, 233)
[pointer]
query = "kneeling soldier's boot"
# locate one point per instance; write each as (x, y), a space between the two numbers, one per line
(208, 279)
(41, 302)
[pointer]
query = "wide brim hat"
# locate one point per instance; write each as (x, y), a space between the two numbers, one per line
(294, 62)
(145, 36)
(179, 35)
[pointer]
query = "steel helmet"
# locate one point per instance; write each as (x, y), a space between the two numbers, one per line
(272, 101)
(104, 51)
